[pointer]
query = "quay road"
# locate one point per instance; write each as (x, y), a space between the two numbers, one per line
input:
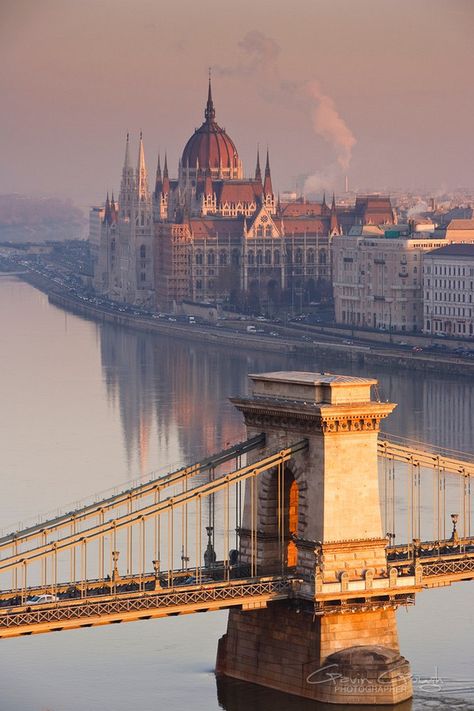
(294, 337)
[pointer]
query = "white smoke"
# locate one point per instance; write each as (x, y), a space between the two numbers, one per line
(328, 123)
(261, 57)
(420, 207)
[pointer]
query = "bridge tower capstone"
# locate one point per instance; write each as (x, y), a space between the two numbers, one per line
(337, 640)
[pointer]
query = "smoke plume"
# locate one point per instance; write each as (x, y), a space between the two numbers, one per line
(261, 57)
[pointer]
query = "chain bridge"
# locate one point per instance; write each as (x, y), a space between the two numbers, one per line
(312, 532)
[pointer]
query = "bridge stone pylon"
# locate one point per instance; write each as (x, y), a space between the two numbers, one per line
(319, 519)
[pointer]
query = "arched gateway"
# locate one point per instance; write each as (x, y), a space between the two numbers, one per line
(320, 515)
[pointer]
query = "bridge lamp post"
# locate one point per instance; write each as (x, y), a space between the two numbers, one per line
(115, 572)
(156, 570)
(455, 534)
(210, 554)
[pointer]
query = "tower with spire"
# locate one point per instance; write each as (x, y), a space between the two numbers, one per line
(127, 184)
(334, 226)
(268, 195)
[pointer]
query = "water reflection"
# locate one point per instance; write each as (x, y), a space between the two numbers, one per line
(180, 390)
(235, 695)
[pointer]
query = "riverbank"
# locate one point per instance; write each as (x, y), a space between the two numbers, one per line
(368, 355)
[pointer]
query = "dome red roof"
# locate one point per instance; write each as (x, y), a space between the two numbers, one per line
(211, 147)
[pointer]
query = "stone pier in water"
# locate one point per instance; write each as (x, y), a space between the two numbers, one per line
(337, 640)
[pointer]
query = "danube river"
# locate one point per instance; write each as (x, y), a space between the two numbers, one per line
(86, 407)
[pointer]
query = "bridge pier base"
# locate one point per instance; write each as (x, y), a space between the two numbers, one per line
(343, 658)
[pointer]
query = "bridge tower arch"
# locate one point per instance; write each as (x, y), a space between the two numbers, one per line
(329, 537)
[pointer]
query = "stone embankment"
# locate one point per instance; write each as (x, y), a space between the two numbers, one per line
(368, 355)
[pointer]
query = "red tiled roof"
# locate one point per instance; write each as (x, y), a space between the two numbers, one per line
(209, 228)
(235, 191)
(298, 209)
(308, 225)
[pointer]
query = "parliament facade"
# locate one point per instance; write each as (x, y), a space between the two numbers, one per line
(213, 235)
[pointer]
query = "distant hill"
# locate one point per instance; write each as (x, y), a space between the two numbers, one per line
(37, 219)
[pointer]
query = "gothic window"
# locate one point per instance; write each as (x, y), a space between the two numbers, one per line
(268, 231)
(276, 258)
(322, 257)
(210, 284)
(112, 245)
(235, 258)
(143, 251)
(198, 284)
(299, 256)
(211, 257)
(260, 231)
(310, 256)
(251, 258)
(268, 257)
(259, 257)
(223, 259)
(142, 276)
(199, 258)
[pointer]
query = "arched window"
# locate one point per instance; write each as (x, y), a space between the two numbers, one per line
(211, 259)
(299, 256)
(251, 258)
(223, 258)
(268, 231)
(310, 256)
(276, 258)
(198, 284)
(142, 251)
(322, 257)
(235, 258)
(259, 257)
(268, 257)
(112, 245)
(199, 258)
(260, 231)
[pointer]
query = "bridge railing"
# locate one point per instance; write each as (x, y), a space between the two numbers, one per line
(196, 524)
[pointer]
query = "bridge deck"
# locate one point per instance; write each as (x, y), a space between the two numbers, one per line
(127, 607)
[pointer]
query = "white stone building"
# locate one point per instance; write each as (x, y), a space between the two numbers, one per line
(448, 290)
(378, 278)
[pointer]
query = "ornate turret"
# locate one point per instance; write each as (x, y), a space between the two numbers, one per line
(268, 196)
(143, 194)
(107, 211)
(258, 172)
(158, 180)
(127, 185)
(334, 227)
(166, 180)
(324, 206)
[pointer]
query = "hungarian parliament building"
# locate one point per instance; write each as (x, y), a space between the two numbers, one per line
(213, 235)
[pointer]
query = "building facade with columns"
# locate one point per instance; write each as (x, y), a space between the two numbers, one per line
(448, 291)
(213, 234)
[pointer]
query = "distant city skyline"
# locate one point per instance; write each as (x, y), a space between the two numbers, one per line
(378, 90)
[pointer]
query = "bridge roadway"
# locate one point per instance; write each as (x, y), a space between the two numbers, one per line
(251, 593)
(411, 569)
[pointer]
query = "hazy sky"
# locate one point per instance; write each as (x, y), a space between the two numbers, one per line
(381, 88)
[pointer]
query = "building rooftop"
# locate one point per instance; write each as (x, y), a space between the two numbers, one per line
(453, 250)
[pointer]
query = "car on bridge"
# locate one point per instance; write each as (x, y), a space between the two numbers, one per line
(41, 599)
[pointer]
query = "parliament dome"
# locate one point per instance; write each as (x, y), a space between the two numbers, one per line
(211, 147)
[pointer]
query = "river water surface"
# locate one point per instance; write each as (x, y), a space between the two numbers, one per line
(86, 407)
